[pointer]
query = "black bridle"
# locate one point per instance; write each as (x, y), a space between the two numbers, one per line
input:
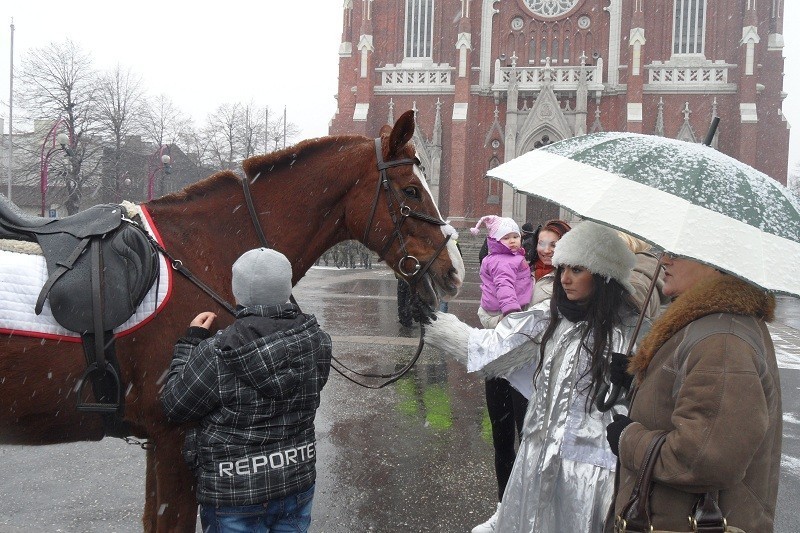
(418, 272)
(404, 211)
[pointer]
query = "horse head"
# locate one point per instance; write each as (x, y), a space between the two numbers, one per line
(353, 187)
(405, 226)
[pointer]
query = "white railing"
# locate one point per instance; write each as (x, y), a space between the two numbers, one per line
(565, 78)
(709, 76)
(425, 79)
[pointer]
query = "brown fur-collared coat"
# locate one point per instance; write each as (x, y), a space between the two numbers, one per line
(707, 374)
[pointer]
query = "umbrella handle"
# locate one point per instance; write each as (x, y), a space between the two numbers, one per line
(607, 396)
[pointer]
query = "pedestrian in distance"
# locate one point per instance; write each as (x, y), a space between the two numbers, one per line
(529, 241)
(506, 287)
(563, 475)
(405, 303)
(253, 388)
(707, 377)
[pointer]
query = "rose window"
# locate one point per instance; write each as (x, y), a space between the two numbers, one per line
(551, 8)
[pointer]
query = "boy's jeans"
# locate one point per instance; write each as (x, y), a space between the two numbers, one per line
(291, 514)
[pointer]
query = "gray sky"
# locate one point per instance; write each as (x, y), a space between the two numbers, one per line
(273, 53)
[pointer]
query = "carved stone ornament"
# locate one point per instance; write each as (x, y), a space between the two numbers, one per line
(551, 8)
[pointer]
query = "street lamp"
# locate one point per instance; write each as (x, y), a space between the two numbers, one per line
(158, 160)
(56, 142)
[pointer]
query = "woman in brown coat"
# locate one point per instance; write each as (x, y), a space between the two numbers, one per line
(707, 375)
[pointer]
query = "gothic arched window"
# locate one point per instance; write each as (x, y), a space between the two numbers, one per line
(419, 28)
(690, 26)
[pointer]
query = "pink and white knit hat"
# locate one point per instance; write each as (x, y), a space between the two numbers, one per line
(498, 227)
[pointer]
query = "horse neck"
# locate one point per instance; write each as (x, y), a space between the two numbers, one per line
(301, 208)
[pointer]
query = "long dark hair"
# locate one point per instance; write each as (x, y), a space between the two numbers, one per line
(606, 307)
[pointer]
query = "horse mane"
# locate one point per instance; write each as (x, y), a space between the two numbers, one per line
(287, 156)
(256, 164)
(201, 188)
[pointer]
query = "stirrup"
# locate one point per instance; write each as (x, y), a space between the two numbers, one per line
(99, 407)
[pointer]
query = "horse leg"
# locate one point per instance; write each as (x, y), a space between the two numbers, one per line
(170, 504)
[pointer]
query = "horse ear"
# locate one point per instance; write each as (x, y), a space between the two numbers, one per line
(385, 131)
(402, 132)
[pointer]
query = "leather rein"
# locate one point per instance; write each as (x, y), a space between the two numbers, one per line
(398, 216)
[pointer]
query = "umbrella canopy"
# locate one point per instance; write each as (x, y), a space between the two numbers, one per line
(686, 198)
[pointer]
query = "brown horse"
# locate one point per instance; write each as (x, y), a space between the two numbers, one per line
(307, 198)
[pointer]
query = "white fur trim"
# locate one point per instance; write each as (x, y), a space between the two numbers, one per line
(599, 249)
(448, 334)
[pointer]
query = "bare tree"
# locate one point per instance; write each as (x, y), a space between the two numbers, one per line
(222, 130)
(58, 82)
(163, 122)
(278, 136)
(119, 102)
(197, 147)
(251, 129)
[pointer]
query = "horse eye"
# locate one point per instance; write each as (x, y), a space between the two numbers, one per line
(412, 192)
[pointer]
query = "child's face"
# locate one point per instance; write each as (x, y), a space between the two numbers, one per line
(512, 241)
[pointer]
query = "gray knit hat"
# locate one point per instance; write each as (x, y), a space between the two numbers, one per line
(599, 249)
(262, 277)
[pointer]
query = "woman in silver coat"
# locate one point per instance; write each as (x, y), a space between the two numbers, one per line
(563, 475)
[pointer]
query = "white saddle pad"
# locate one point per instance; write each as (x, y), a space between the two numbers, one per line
(23, 275)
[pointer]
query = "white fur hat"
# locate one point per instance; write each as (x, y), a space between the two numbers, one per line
(599, 249)
(498, 227)
(262, 277)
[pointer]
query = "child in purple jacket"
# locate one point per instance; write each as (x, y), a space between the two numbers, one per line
(506, 283)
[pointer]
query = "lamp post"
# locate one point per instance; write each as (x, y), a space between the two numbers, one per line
(52, 143)
(158, 160)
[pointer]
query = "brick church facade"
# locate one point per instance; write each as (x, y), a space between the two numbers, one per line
(492, 79)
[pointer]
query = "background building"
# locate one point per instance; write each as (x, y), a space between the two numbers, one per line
(492, 79)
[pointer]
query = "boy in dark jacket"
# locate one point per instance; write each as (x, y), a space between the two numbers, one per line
(254, 387)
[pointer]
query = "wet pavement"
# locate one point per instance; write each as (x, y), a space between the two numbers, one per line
(415, 456)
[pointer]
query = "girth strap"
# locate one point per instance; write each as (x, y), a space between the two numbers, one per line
(98, 285)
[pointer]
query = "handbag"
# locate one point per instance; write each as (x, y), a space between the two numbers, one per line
(704, 517)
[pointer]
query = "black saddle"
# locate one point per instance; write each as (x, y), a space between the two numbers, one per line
(97, 220)
(100, 266)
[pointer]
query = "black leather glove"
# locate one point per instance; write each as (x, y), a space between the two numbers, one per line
(618, 371)
(614, 431)
(425, 314)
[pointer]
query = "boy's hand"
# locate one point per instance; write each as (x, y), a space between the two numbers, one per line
(203, 320)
